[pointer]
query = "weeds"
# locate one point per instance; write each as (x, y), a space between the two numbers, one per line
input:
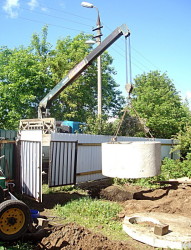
(69, 189)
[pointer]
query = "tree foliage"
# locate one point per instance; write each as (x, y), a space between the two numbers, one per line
(23, 81)
(184, 142)
(28, 74)
(99, 126)
(158, 103)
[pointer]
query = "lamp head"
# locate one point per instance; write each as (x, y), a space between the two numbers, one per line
(87, 5)
(90, 42)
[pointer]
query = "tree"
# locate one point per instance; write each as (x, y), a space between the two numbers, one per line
(23, 81)
(158, 103)
(40, 46)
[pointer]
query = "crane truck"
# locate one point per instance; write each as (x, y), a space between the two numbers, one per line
(48, 125)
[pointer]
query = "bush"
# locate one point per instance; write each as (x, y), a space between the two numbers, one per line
(184, 145)
(176, 168)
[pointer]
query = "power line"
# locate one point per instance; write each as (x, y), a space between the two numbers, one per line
(144, 57)
(58, 10)
(62, 18)
(136, 65)
(69, 13)
(134, 59)
(50, 24)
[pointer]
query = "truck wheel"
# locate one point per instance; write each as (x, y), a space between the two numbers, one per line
(14, 219)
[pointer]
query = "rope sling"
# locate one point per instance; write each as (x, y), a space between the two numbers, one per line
(129, 88)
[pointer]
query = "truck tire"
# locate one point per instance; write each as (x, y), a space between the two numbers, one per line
(14, 219)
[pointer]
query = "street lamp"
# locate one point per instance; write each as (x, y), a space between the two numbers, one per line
(98, 41)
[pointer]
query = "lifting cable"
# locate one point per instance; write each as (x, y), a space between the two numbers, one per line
(126, 61)
(129, 85)
(130, 68)
(129, 88)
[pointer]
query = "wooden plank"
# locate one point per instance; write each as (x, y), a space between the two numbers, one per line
(7, 142)
(89, 173)
(89, 144)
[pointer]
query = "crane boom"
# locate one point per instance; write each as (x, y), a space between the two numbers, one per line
(80, 67)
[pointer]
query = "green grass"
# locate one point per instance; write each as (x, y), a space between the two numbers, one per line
(69, 189)
(94, 214)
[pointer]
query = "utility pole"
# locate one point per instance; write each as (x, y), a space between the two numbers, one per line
(99, 71)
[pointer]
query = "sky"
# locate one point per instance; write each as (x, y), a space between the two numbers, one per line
(160, 32)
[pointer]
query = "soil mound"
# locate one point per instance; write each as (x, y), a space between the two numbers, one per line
(172, 199)
(119, 193)
(169, 200)
(73, 237)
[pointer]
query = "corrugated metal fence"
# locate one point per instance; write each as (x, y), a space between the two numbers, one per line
(87, 165)
(30, 154)
(30, 169)
(7, 147)
(63, 161)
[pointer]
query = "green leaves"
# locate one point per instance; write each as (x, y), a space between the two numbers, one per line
(23, 82)
(99, 126)
(184, 142)
(156, 99)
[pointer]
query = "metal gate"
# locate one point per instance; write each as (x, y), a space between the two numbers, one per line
(63, 163)
(31, 169)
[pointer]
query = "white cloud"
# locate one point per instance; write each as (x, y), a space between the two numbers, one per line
(33, 4)
(11, 8)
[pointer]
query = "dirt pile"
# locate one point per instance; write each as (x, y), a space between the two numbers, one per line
(120, 193)
(73, 237)
(175, 200)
